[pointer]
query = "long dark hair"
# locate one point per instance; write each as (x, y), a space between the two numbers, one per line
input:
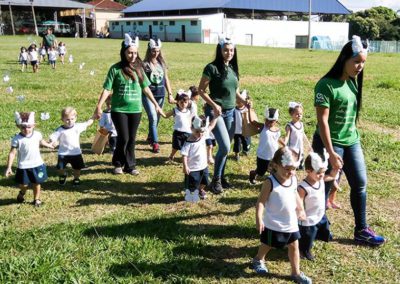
(219, 62)
(337, 71)
(160, 57)
(129, 69)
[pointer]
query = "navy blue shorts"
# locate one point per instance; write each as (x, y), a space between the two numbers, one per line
(262, 166)
(52, 62)
(76, 162)
(211, 142)
(32, 175)
(23, 62)
(276, 239)
(178, 139)
(196, 178)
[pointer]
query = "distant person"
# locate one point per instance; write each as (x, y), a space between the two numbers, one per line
(337, 101)
(33, 57)
(23, 58)
(49, 39)
(106, 123)
(62, 50)
(52, 54)
(240, 142)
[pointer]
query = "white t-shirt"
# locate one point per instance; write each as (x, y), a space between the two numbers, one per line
(23, 56)
(28, 150)
(193, 108)
(33, 55)
(62, 49)
(280, 209)
(68, 139)
(196, 152)
(106, 122)
(314, 202)
(296, 137)
(239, 119)
(182, 120)
(52, 55)
(43, 51)
(268, 143)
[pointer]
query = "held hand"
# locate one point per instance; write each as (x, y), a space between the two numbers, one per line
(336, 161)
(160, 111)
(302, 215)
(217, 110)
(171, 99)
(8, 172)
(97, 113)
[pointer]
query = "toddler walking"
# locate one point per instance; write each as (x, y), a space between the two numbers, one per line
(23, 58)
(240, 142)
(33, 57)
(106, 123)
(62, 50)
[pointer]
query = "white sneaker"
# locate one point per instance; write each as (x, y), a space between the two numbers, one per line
(188, 196)
(195, 196)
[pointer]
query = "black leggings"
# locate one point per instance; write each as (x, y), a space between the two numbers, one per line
(126, 125)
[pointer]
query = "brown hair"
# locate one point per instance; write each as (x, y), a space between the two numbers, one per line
(128, 68)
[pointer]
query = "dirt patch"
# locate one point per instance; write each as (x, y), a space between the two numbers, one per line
(380, 129)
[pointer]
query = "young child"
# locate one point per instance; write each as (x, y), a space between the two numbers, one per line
(23, 58)
(42, 53)
(62, 50)
(31, 168)
(182, 122)
(278, 209)
(52, 54)
(69, 151)
(195, 165)
(238, 138)
(295, 135)
(210, 143)
(33, 57)
(106, 122)
(312, 194)
(268, 143)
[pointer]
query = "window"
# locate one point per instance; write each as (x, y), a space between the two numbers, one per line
(128, 23)
(155, 23)
(117, 23)
(134, 23)
(193, 23)
(161, 23)
(172, 23)
(140, 23)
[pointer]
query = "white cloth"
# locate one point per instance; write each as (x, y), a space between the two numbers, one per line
(193, 108)
(280, 208)
(62, 50)
(23, 56)
(52, 55)
(182, 120)
(33, 55)
(296, 138)
(314, 202)
(68, 139)
(239, 119)
(196, 152)
(107, 123)
(268, 143)
(28, 150)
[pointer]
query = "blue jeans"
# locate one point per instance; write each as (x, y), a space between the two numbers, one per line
(356, 174)
(223, 132)
(153, 117)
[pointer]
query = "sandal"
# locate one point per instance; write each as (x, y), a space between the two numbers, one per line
(20, 197)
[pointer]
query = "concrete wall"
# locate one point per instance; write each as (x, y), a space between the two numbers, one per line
(102, 19)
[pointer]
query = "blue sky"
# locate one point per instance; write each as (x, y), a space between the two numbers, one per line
(357, 5)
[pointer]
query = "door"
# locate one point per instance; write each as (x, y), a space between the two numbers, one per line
(183, 33)
(150, 31)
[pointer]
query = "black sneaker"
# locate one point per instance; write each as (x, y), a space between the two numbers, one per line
(62, 179)
(225, 184)
(252, 177)
(307, 255)
(216, 186)
(20, 197)
(76, 182)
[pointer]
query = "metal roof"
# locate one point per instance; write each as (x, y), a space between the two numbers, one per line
(47, 3)
(295, 6)
(160, 18)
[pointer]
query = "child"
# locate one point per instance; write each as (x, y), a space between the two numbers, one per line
(69, 151)
(106, 122)
(238, 138)
(52, 54)
(31, 168)
(268, 144)
(312, 194)
(42, 51)
(195, 166)
(23, 58)
(278, 209)
(211, 143)
(295, 135)
(194, 99)
(33, 57)
(331, 202)
(182, 121)
(62, 50)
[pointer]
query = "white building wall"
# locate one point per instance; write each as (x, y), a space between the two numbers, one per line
(212, 26)
(102, 19)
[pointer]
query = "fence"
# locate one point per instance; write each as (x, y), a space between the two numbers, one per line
(374, 45)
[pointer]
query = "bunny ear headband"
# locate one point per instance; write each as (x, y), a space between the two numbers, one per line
(317, 163)
(357, 46)
(271, 113)
(129, 42)
(225, 40)
(155, 44)
(293, 105)
(198, 123)
(183, 92)
(243, 95)
(287, 158)
(20, 121)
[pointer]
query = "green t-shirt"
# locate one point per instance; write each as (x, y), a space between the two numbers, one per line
(127, 94)
(340, 97)
(222, 91)
(48, 39)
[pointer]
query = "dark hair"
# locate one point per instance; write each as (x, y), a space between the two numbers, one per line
(129, 69)
(307, 164)
(292, 109)
(31, 47)
(180, 97)
(23, 47)
(277, 159)
(219, 62)
(160, 57)
(194, 91)
(337, 70)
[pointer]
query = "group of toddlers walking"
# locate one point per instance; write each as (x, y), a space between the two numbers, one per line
(35, 55)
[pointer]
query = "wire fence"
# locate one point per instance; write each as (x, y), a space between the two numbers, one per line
(374, 45)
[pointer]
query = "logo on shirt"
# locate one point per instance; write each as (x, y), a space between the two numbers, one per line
(319, 98)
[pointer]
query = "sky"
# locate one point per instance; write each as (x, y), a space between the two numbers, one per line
(357, 5)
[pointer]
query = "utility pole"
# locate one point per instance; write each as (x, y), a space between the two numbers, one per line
(12, 19)
(34, 18)
(309, 24)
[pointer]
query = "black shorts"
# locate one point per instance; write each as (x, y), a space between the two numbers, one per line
(32, 175)
(196, 178)
(34, 62)
(23, 62)
(178, 139)
(76, 162)
(211, 142)
(276, 239)
(262, 166)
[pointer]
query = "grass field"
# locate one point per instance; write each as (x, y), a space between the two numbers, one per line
(128, 229)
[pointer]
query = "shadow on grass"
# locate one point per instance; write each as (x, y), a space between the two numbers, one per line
(8, 201)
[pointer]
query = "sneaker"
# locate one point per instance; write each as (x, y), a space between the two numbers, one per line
(301, 279)
(20, 197)
(76, 182)
(225, 184)
(252, 177)
(307, 255)
(216, 186)
(156, 148)
(202, 194)
(37, 203)
(369, 237)
(259, 266)
(62, 179)
(133, 172)
(118, 171)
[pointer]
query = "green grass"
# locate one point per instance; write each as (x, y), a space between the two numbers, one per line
(138, 229)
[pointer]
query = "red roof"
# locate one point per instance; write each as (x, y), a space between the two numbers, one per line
(107, 5)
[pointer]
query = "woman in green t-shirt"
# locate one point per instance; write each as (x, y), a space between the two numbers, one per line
(126, 81)
(337, 101)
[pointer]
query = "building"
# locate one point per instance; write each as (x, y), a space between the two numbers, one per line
(106, 10)
(257, 22)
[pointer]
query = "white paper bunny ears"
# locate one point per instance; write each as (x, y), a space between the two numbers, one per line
(317, 163)
(155, 44)
(293, 105)
(183, 92)
(288, 159)
(357, 46)
(129, 42)
(199, 123)
(24, 120)
(271, 113)
(243, 95)
(225, 40)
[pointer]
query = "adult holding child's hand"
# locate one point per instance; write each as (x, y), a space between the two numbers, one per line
(126, 81)
(337, 101)
(221, 76)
